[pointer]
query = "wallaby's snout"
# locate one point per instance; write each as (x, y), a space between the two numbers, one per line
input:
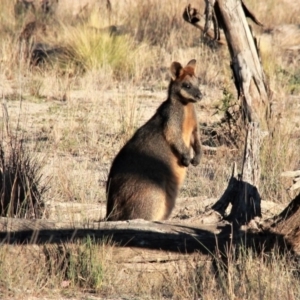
(197, 94)
(193, 93)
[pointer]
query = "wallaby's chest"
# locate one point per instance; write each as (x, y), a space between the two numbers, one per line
(189, 123)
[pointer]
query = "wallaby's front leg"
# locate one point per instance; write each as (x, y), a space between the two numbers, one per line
(174, 139)
(196, 144)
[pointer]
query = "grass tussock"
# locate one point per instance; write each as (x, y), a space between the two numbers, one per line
(77, 266)
(91, 50)
(21, 181)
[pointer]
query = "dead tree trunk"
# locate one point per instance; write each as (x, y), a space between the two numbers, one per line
(246, 66)
(250, 82)
(287, 224)
(249, 77)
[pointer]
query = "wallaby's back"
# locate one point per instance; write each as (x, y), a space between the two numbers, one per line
(147, 173)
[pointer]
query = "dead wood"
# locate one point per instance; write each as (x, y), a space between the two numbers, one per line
(136, 233)
(213, 16)
(291, 173)
(242, 192)
(288, 218)
(249, 77)
(155, 243)
(296, 179)
(249, 14)
(287, 225)
(253, 94)
(151, 239)
(192, 16)
(246, 66)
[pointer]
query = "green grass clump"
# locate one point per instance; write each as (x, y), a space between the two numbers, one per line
(94, 49)
(76, 265)
(85, 269)
(294, 83)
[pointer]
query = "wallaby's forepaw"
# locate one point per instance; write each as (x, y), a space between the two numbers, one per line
(185, 160)
(195, 161)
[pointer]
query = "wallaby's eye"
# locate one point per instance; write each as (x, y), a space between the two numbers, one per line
(186, 85)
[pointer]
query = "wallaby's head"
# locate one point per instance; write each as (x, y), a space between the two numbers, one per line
(184, 83)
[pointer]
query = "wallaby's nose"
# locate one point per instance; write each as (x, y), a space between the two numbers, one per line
(198, 96)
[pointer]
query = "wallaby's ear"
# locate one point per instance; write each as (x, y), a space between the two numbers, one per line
(175, 69)
(192, 63)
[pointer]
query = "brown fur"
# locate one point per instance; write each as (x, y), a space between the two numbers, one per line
(147, 173)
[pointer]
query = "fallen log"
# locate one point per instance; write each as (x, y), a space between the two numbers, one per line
(154, 248)
(287, 223)
(202, 233)
(135, 233)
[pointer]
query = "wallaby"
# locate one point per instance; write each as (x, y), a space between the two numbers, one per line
(147, 173)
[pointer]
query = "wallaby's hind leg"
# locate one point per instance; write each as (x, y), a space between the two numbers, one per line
(148, 202)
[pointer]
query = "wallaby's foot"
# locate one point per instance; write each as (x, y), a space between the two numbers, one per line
(185, 160)
(195, 161)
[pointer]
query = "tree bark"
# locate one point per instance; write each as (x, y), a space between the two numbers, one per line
(287, 223)
(247, 69)
(248, 73)
(135, 233)
(192, 16)
(253, 93)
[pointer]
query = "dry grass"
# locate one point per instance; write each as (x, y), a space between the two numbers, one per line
(68, 270)
(273, 13)
(79, 110)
